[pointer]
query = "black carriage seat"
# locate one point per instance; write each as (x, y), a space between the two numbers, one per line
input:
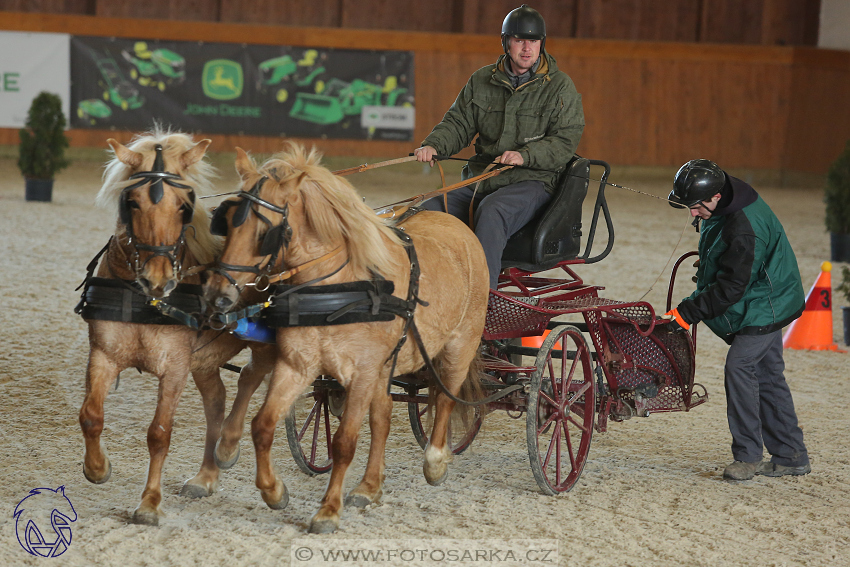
(554, 234)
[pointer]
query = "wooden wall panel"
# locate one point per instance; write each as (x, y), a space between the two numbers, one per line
(790, 22)
(433, 15)
(49, 6)
(645, 103)
(321, 13)
(661, 20)
(731, 21)
(195, 10)
(766, 22)
(486, 17)
(819, 121)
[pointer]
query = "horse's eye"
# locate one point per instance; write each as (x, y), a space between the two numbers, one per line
(132, 204)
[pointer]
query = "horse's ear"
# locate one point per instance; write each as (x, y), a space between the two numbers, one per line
(125, 155)
(244, 163)
(195, 155)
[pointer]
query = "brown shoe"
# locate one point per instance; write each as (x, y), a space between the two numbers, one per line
(739, 470)
(768, 468)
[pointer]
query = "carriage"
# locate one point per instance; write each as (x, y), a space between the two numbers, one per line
(344, 314)
(636, 365)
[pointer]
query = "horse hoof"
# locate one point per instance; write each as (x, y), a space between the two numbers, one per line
(358, 500)
(195, 490)
(100, 480)
(438, 481)
(145, 518)
(323, 526)
(281, 502)
(432, 477)
(224, 465)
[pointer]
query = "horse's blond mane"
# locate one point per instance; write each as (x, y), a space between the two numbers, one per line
(200, 176)
(334, 209)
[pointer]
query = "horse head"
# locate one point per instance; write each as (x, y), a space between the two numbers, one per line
(155, 181)
(293, 219)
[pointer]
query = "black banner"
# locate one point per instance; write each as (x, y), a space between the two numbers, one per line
(242, 89)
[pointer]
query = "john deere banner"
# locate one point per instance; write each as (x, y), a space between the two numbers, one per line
(31, 63)
(242, 89)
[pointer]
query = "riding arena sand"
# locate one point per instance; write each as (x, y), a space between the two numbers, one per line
(652, 492)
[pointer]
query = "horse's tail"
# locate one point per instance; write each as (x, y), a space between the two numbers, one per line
(463, 415)
(471, 391)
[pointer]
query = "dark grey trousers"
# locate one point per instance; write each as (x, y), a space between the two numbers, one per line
(496, 216)
(758, 402)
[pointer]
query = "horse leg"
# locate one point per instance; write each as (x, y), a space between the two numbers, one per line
(100, 375)
(159, 439)
(284, 388)
(369, 490)
(209, 384)
(344, 443)
(252, 374)
(437, 453)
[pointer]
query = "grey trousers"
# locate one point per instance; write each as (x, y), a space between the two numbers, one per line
(496, 216)
(758, 402)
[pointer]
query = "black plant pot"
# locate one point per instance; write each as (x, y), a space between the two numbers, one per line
(39, 189)
(839, 244)
(846, 312)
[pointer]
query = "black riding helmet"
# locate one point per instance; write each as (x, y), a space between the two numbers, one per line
(524, 23)
(696, 181)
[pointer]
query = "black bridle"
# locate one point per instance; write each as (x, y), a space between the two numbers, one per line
(175, 253)
(275, 241)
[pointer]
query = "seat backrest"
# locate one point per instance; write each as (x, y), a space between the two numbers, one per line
(554, 234)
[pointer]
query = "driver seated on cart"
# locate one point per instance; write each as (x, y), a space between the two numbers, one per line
(525, 112)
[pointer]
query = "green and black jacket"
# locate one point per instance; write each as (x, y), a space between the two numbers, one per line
(748, 281)
(542, 119)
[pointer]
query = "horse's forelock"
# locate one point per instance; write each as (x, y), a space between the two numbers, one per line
(200, 175)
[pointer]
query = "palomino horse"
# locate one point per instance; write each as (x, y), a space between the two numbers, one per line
(295, 214)
(152, 183)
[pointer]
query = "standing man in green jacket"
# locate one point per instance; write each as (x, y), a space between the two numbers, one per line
(748, 288)
(525, 112)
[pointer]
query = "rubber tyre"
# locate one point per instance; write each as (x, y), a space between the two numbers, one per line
(560, 411)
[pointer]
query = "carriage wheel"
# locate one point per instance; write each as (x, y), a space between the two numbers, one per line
(308, 429)
(458, 441)
(560, 411)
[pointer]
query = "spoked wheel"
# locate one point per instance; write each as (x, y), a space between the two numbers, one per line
(460, 435)
(561, 406)
(308, 428)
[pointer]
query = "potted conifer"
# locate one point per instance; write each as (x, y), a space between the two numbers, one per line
(42, 147)
(837, 199)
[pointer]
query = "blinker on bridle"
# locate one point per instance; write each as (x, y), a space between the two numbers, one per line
(156, 177)
(277, 237)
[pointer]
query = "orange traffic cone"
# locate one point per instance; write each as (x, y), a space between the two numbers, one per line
(537, 341)
(813, 330)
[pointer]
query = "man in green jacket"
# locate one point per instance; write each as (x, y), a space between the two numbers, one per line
(526, 113)
(748, 288)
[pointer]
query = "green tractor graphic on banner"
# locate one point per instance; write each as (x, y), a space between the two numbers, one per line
(93, 110)
(155, 68)
(284, 71)
(339, 100)
(116, 88)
